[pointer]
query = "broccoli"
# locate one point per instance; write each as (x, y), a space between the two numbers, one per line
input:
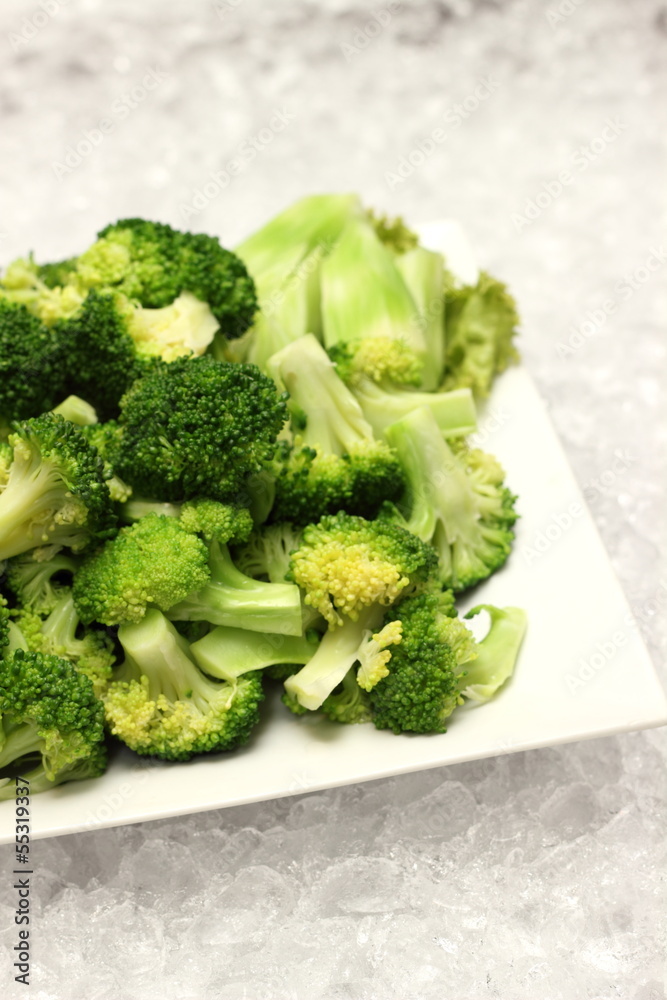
(62, 634)
(37, 584)
(4, 625)
(421, 686)
(55, 494)
(285, 257)
(24, 284)
(153, 264)
(161, 704)
(347, 703)
(266, 553)
(232, 598)
(334, 462)
(197, 427)
(32, 371)
(380, 372)
(219, 521)
(392, 233)
(152, 563)
(228, 653)
(51, 723)
(77, 411)
(480, 326)
(456, 499)
(350, 570)
(498, 651)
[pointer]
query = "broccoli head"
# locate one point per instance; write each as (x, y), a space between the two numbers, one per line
(51, 723)
(56, 494)
(154, 562)
(456, 499)
(37, 584)
(32, 364)
(197, 427)
(161, 704)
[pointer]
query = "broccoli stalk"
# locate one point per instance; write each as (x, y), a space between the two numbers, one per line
(162, 704)
(423, 272)
(498, 651)
(228, 653)
(455, 499)
(232, 598)
(55, 494)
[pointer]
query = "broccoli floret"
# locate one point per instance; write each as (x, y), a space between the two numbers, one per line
(228, 653)
(498, 651)
(232, 598)
(379, 372)
(267, 552)
(55, 493)
(422, 684)
(455, 499)
(219, 521)
(350, 570)
(32, 365)
(24, 283)
(152, 263)
(392, 232)
(92, 766)
(50, 720)
(62, 634)
(334, 462)
(480, 326)
(161, 704)
(154, 562)
(197, 427)
(37, 584)
(347, 703)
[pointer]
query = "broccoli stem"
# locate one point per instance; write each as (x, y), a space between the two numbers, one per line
(62, 623)
(228, 653)
(454, 411)
(334, 420)
(498, 651)
(232, 598)
(424, 273)
(77, 411)
(336, 653)
(159, 653)
(19, 742)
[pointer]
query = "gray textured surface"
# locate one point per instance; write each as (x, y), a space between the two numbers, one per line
(531, 876)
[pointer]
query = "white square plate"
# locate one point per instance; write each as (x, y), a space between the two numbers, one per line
(582, 672)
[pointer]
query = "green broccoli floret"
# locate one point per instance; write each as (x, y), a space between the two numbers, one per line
(152, 563)
(455, 499)
(24, 283)
(228, 653)
(161, 704)
(62, 634)
(350, 570)
(380, 371)
(334, 462)
(37, 584)
(498, 651)
(105, 439)
(267, 552)
(197, 427)
(55, 494)
(219, 521)
(480, 326)
(32, 364)
(51, 723)
(348, 703)
(234, 599)
(153, 264)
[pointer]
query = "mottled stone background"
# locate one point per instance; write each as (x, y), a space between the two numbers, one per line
(531, 876)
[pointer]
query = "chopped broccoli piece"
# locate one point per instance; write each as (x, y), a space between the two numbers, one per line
(32, 366)
(422, 686)
(213, 520)
(55, 494)
(424, 274)
(457, 500)
(480, 326)
(152, 563)
(197, 427)
(334, 462)
(161, 704)
(498, 651)
(347, 703)
(49, 719)
(37, 584)
(23, 284)
(77, 411)
(228, 653)
(266, 554)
